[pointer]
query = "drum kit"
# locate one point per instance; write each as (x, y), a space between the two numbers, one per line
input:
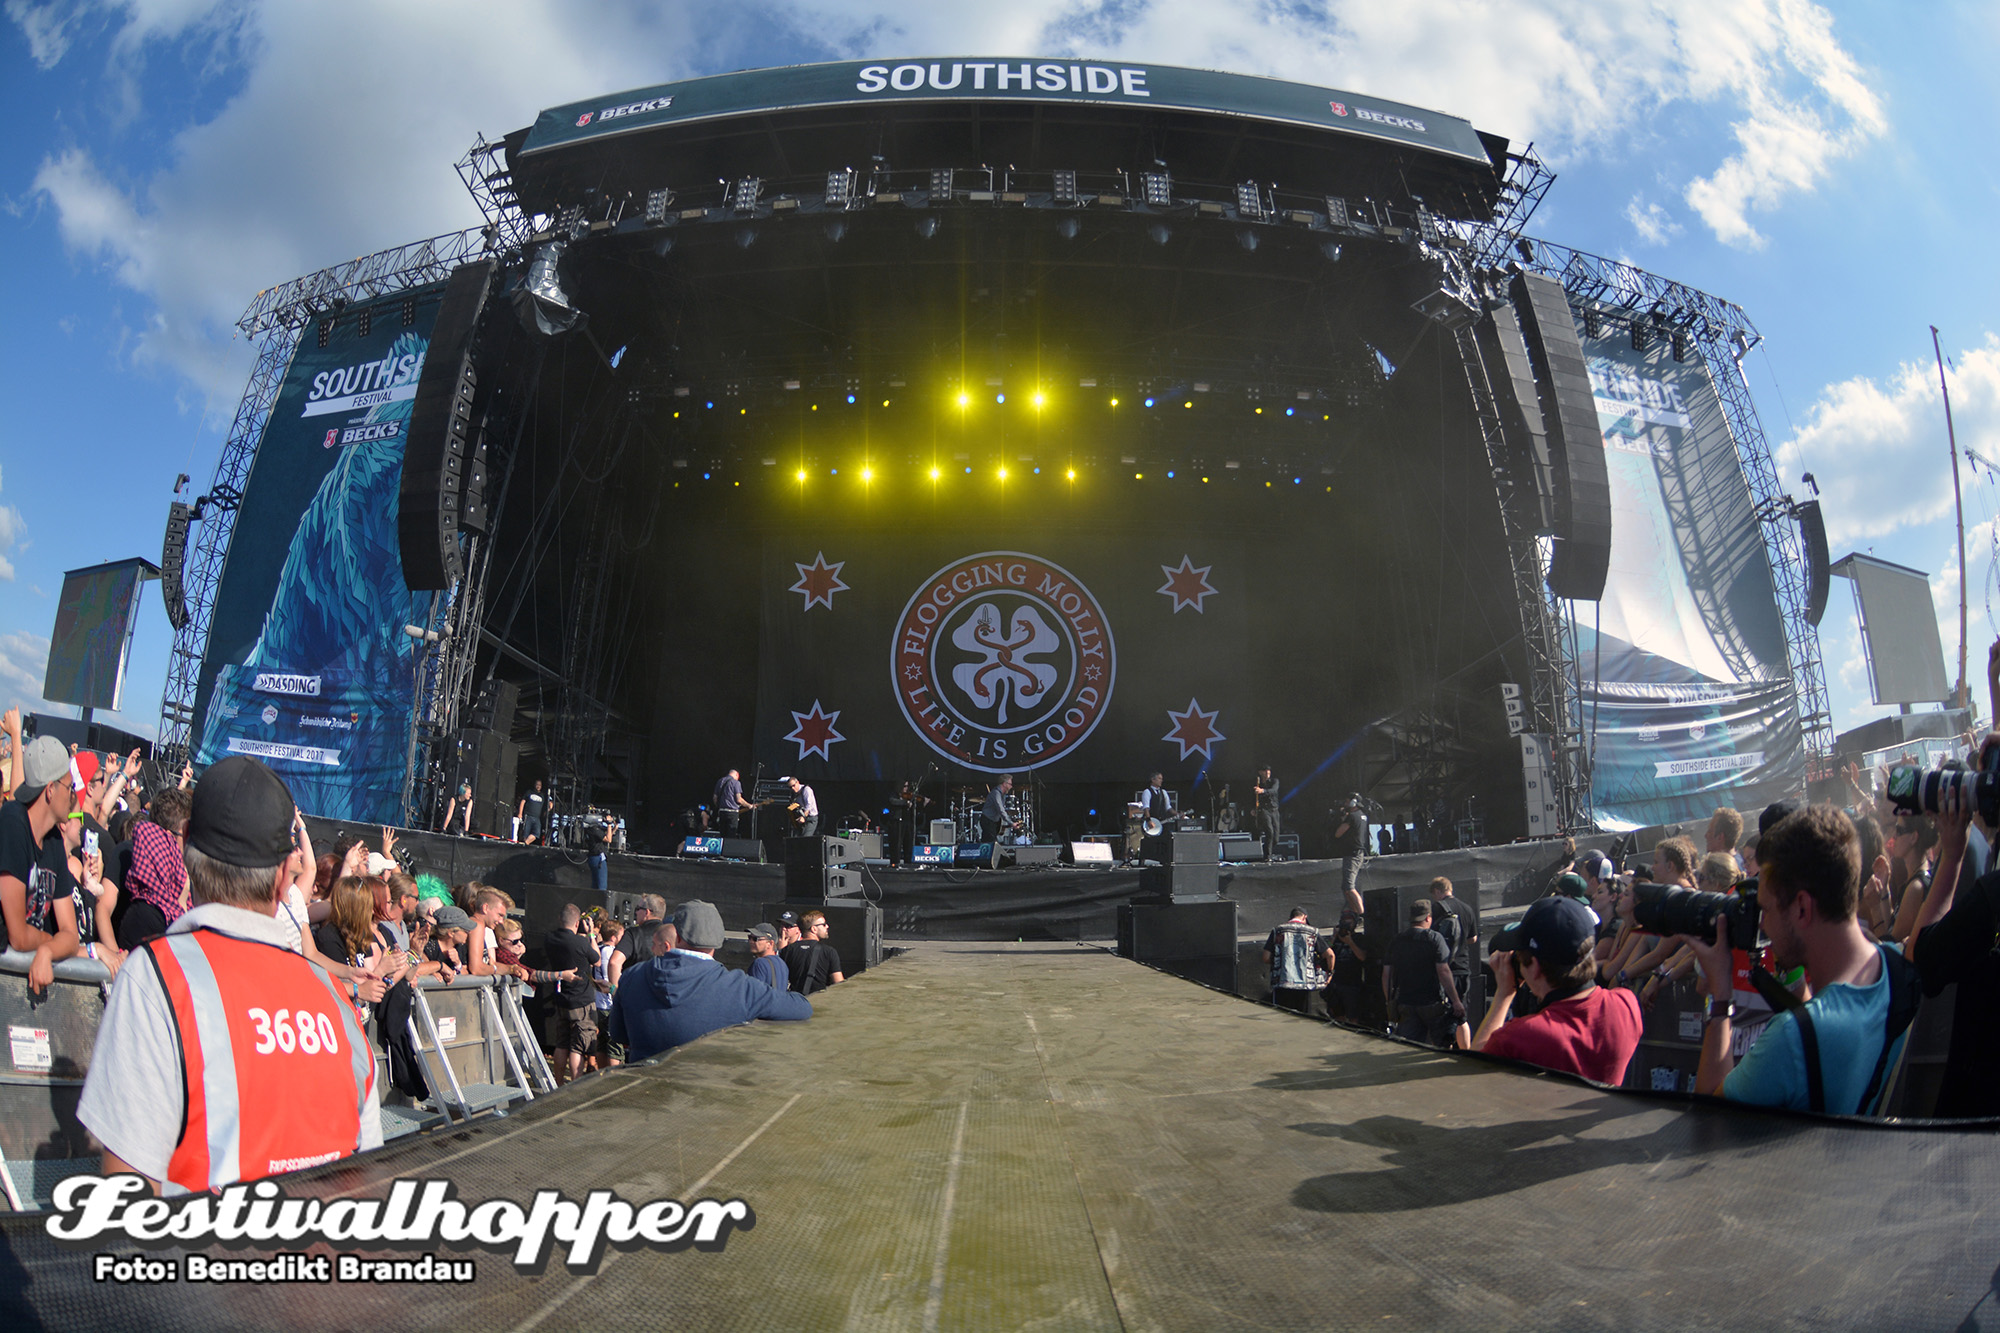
(968, 802)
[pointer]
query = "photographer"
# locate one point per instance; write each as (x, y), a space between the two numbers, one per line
(1581, 1027)
(1350, 959)
(1956, 938)
(1832, 1053)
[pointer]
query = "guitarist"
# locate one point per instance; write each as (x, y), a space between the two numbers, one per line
(993, 816)
(803, 812)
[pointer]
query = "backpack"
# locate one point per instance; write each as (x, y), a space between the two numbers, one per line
(1904, 997)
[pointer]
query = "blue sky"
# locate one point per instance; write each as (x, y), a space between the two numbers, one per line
(1829, 168)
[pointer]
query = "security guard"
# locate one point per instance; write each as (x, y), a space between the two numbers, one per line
(222, 1055)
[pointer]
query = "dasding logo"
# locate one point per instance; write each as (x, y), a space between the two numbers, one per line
(278, 682)
(1003, 661)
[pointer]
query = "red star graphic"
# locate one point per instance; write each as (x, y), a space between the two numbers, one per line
(1194, 731)
(814, 731)
(1187, 585)
(819, 581)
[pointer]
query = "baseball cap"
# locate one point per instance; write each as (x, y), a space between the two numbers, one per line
(1556, 930)
(379, 864)
(1573, 885)
(451, 918)
(1773, 812)
(699, 925)
(242, 814)
(1298, 914)
(763, 930)
(787, 918)
(1420, 909)
(42, 762)
(82, 768)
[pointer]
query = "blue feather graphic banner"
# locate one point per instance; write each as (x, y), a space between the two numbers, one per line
(308, 666)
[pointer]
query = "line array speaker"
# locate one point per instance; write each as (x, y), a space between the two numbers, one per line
(1582, 555)
(494, 706)
(173, 554)
(1812, 531)
(444, 457)
(1501, 347)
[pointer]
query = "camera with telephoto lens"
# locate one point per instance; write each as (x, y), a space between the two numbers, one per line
(1919, 791)
(1663, 909)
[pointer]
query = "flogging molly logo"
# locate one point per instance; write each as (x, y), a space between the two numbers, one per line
(1003, 661)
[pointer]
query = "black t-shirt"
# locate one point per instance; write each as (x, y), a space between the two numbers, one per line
(1268, 799)
(138, 922)
(43, 867)
(811, 963)
(1459, 913)
(635, 946)
(1964, 947)
(531, 807)
(564, 949)
(327, 939)
(1414, 955)
(1354, 842)
(1347, 965)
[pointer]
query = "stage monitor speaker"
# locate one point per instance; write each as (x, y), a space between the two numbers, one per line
(173, 555)
(1192, 940)
(1036, 856)
(1091, 854)
(1812, 535)
(1581, 558)
(1518, 401)
(1242, 847)
(438, 451)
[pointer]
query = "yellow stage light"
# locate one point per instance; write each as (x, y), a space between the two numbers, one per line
(965, 400)
(1138, 476)
(1003, 474)
(1039, 400)
(801, 474)
(868, 474)
(1114, 402)
(1188, 403)
(934, 474)
(1072, 474)
(1260, 411)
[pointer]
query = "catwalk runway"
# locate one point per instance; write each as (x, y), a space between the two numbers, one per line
(1044, 1136)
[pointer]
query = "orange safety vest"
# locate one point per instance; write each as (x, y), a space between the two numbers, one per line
(277, 1065)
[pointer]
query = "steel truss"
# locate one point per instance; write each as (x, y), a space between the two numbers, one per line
(1605, 294)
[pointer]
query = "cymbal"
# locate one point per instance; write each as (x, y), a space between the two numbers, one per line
(967, 791)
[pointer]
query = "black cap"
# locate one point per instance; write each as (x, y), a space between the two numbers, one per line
(242, 815)
(1773, 812)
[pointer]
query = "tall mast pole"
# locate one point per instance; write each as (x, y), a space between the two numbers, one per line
(1961, 698)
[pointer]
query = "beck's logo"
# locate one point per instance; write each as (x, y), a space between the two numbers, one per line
(1339, 108)
(584, 119)
(1003, 661)
(331, 436)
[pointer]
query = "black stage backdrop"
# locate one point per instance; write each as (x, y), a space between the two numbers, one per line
(1087, 660)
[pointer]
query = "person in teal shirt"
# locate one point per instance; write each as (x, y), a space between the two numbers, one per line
(1808, 887)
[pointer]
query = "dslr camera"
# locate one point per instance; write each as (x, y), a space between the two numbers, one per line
(1663, 909)
(1919, 791)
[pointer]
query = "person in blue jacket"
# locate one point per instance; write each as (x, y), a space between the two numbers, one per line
(685, 993)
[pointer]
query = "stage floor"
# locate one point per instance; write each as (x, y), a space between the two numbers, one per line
(1045, 1136)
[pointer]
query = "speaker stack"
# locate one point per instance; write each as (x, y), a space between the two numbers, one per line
(821, 869)
(1581, 558)
(1191, 870)
(444, 459)
(1812, 533)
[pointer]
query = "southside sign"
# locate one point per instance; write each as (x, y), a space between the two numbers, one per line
(956, 78)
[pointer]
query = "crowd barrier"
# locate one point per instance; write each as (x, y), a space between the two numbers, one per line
(472, 1040)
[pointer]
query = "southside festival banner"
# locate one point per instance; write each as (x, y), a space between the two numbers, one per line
(1683, 664)
(1085, 660)
(311, 669)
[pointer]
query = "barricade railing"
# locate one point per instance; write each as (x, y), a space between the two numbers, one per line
(474, 1042)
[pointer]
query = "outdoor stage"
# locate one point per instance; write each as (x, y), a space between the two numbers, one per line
(1045, 1136)
(1028, 903)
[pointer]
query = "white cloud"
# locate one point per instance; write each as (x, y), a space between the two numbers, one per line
(11, 528)
(1879, 450)
(1654, 224)
(341, 136)
(24, 662)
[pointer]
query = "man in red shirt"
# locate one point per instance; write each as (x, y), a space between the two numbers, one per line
(1581, 1028)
